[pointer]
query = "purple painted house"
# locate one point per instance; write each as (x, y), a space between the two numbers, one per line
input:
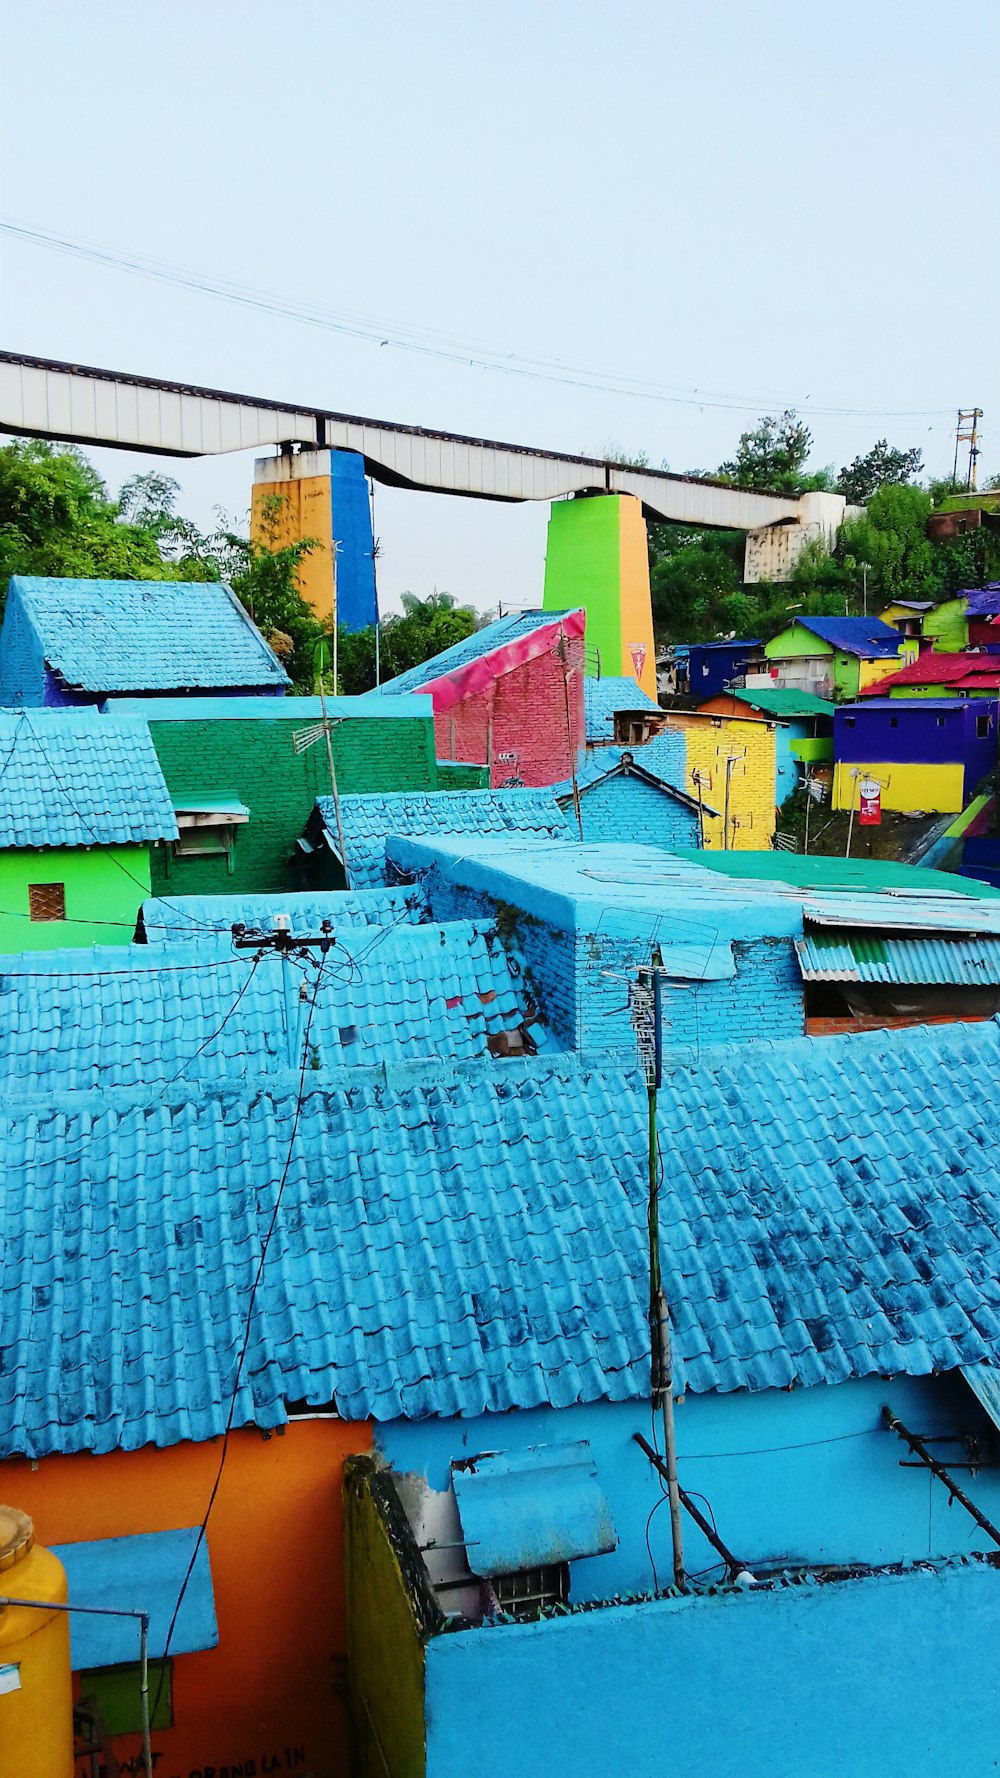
(81, 641)
(924, 753)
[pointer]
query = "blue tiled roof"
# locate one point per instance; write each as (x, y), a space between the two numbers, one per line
(367, 820)
(457, 1241)
(602, 697)
(124, 1016)
(499, 635)
(865, 636)
(599, 762)
(146, 635)
(189, 918)
(982, 601)
(76, 778)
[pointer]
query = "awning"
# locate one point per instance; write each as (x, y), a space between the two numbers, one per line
(143, 1573)
(932, 960)
(527, 1509)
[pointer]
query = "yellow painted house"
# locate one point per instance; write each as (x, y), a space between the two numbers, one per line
(741, 749)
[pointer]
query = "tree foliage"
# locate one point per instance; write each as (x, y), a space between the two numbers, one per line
(57, 518)
(772, 456)
(882, 466)
(422, 629)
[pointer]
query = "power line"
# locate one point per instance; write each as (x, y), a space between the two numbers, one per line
(247, 1332)
(432, 342)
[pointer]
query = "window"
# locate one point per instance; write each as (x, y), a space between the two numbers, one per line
(530, 1590)
(982, 727)
(113, 1692)
(47, 901)
(941, 721)
(849, 721)
(894, 722)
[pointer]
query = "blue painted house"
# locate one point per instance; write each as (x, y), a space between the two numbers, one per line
(621, 798)
(586, 918)
(712, 666)
(81, 641)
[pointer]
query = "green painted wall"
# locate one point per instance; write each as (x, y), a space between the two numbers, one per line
(795, 641)
(846, 677)
(255, 761)
(583, 567)
(454, 775)
(811, 748)
(105, 886)
(384, 1644)
(938, 691)
(948, 627)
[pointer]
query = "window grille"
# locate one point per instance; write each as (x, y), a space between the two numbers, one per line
(527, 1593)
(47, 901)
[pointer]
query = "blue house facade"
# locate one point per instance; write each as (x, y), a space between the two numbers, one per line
(620, 799)
(712, 666)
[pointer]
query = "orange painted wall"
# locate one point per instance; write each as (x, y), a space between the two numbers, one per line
(636, 606)
(304, 512)
(724, 705)
(274, 1690)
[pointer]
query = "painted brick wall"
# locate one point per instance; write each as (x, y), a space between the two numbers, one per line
(461, 777)
(751, 785)
(627, 809)
(580, 982)
(256, 762)
(528, 711)
(22, 670)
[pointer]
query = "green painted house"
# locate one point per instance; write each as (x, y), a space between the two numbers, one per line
(82, 803)
(970, 620)
(830, 657)
(242, 792)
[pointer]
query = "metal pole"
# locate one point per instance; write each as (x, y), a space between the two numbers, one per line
(147, 1754)
(733, 1563)
(805, 847)
(333, 785)
(937, 1469)
(561, 649)
(661, 1361)
(725, 819)
(856, 775)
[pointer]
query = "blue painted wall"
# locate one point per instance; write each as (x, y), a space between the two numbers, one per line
(891, 1675)
(711, 666)
(23, 675)
(804, 1477)
(580, 982)
(352, 531)
(627, 808)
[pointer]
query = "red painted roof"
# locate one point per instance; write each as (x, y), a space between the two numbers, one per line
(959, 671)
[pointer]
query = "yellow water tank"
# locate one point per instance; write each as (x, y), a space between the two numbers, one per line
(36, 1691)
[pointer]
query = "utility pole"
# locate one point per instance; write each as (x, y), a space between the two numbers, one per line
(732, 759)
(661, 1359)
(967, 433)
(856, 776)
(286, 945)
(305, 738)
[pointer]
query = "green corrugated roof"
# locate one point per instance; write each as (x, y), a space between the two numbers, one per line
(819, 872)
(786, 702)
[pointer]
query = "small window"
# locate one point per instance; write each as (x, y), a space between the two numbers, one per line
(113, 1694)
(849, 721)
(527, 1593)
(894, 722)
(982, 727)
(941, 721)
(47, 901)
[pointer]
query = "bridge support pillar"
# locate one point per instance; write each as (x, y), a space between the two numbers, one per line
(597, 557)
(322, 495)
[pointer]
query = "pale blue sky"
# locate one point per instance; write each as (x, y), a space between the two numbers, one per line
(773, 203)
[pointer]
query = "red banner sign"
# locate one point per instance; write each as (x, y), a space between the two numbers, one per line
(869, 803)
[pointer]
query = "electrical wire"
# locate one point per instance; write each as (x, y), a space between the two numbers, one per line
(434, 343)
(245, 1346)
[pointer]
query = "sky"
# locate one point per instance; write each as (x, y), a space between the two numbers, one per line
(736, 208)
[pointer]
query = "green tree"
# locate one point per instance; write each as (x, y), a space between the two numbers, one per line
(772, 456)
(57, 518)
(892, 539)
(424, 628)
(882, 466)
(263, 573)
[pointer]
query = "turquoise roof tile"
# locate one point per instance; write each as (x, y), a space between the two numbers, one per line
(145, 635)
(117, 1016)
(368, 820)
(603, 697)
(76, 778)
(185, 919)
(472, 1239)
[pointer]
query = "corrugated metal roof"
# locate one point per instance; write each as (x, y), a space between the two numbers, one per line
(146, 635)
(868, 637)
(938, 669)
(188, 919)
(76, 778)
(785, 703)
(903, 913)
(526, 1509)
(368, 820)
(603, 697)
(501, 634)
(471, 1240)
(854, 956)
(121, 1017)
(147, 1572)
(982, 601)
